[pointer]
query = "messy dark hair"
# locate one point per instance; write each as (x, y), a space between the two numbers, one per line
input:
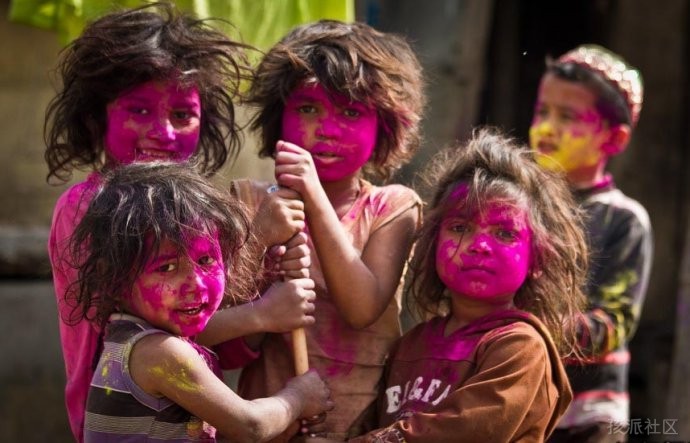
(138, 206)
(125, 49)
(495, 168)
(352, 59)
(611, 104)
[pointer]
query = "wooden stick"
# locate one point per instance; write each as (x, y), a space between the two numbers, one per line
(299, 351)
(299, 339)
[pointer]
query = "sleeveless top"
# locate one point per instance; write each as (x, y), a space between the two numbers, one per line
(350, 360)
(117, 409)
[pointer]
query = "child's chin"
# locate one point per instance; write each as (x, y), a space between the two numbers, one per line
(191, 330)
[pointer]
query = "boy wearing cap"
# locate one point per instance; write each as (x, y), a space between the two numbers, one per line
(588, 103)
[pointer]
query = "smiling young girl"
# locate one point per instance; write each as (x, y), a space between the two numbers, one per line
(499, 264)
(158, 249)
(337, 100)
(139, 85)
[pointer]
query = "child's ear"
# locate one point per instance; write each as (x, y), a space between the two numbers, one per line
(619, 136)
(535, 268)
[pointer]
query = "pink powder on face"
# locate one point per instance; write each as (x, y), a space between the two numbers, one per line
(180, 293)
(155, 120)
(484, 255)
(340, 134)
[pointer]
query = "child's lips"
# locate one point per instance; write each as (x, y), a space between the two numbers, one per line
(192, 310)
(160, 154)
(326, 157)
(477, 265)
(161, 151)
(546, 148)
(477, 269)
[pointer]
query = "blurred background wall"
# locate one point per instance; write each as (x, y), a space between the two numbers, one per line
(483, 59)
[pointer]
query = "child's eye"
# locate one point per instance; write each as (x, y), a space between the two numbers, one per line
(168, 267)
(568, 117)
(459, 228)
(352, 113)
(541, 112)
(139, 110)
(182, 115)
(307, 109)
(206, 260)
(506, 234)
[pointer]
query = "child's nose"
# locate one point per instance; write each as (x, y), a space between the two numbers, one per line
(162, 130)
(194, 283)
(480, 244)
(328, 128)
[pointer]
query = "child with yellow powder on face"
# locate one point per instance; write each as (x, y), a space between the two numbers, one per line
(588, 104)
(337, 101)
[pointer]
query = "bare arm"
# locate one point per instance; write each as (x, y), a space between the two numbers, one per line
(282, 308)
(361, 286)
(168, 366)
(285, 306)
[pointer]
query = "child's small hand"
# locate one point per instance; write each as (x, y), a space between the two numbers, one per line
(287, 305)
(295, 260)
(314, 392)
(279, 217)
(313, 428)
(295, 169)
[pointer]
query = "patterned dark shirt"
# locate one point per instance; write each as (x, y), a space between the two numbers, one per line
(621, 249)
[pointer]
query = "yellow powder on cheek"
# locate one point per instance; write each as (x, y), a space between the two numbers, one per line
(579, 151)
(547, 161)
(537, 132)
(572, 153)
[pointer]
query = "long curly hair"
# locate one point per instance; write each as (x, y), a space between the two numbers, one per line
(127, 48)
(354, 60)
(495, 168)
(136, 207)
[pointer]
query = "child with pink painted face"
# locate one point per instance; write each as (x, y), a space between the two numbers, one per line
(588, 103)
(158, 249)
(141, 85)
(498, 264)
(337, 101)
